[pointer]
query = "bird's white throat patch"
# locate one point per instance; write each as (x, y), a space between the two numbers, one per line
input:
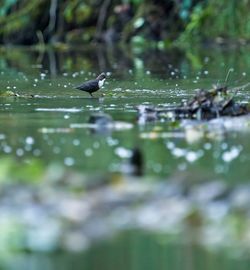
(101, 83)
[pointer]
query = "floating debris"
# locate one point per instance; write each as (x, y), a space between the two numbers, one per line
(205, 105)
(163, 135)
(55, 130)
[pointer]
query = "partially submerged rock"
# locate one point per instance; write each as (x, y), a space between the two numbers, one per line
(7, 93)
(10, 93)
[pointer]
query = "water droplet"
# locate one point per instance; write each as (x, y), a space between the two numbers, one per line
(206, 59)
(7, 149)
(19, 152)
(96, 145)
(182, 166)
(111, 141)
(37, 152)
(88, 152)
(157, 168)
(207, 146)
(56, 150)
(123, 152)
(224, 146)
(29, 140)
(170, 145)
(192, 156)
(231, 154)
(69, 161)
(76, 142)
(178, 152)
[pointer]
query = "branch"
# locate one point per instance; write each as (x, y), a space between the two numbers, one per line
(102, 16)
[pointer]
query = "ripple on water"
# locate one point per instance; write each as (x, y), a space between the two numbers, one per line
(58, 110)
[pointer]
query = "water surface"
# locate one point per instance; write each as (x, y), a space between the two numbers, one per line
(51, 131)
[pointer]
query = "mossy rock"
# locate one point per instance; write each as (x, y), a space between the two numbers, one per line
(7, 93)
(10, 93)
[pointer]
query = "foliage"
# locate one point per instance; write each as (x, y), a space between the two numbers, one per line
(6, 5)
(11, 22)
(224, 19)
(76, 21)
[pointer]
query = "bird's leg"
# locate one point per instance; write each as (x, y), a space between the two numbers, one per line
(91, 95)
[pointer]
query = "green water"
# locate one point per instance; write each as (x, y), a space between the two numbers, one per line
(48, 133)
(144, 79)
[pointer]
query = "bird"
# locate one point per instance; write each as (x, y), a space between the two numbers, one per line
(93, 85)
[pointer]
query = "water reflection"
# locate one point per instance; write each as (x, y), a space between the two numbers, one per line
(134, 250)
(173, 63)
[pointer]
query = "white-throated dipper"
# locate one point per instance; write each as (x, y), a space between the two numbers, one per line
(92, 85)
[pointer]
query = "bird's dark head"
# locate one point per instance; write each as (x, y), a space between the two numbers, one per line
(101, 76)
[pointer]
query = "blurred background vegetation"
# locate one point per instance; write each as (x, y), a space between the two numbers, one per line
(166, 22)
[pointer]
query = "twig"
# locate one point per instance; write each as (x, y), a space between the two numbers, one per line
(236, 89)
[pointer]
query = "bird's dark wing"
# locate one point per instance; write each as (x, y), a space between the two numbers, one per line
(89, 86)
